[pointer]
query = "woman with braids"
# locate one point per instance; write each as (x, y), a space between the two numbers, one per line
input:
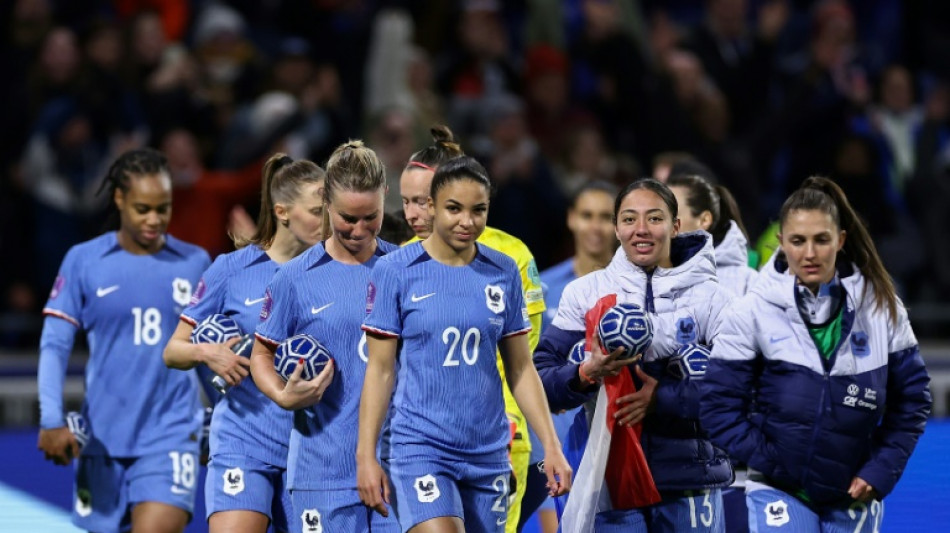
(125, 290)
(246, 486)
(322, 293)
(708, 207)
(414, 186)
(816, 381)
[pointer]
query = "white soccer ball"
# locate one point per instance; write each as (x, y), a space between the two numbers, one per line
(215, 329)
(689, 361)
(301, 347)
(625, 326)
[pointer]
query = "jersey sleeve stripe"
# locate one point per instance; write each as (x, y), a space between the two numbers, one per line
(188, 320)
(267, 340)
(524, 331)
(380, 332)
(59, 314)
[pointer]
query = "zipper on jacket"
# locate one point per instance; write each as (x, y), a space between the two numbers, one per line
(648, 297)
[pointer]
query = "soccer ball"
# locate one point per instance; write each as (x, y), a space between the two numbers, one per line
(290, 352)
(625, 326)
(215, 329)
(690, 361)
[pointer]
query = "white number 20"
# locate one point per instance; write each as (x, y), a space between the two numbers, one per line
(470, 340)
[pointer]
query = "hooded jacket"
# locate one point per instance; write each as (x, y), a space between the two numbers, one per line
(685, 304)
(769, 401)
(732, 262)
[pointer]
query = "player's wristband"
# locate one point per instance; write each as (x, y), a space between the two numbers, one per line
(584, 377)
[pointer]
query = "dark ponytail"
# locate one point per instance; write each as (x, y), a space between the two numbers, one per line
(704, 195)
(821, 194)
(140, 162)
(282, 180)
(442, 149)
(728, 211)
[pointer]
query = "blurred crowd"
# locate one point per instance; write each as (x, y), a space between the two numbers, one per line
(548, 94)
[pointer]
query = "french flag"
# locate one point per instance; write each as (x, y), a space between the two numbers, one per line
(613, 474)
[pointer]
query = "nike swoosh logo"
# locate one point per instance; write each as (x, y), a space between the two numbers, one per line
(178, 490)
(500, 521)
(248, 301)
(100, 292)
(415, 298)
(773, 340)
(315, 310)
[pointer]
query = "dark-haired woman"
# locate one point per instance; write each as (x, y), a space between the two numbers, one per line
(443, 306)
(125, 290)
(673, 278)
(246, 486)
(708, 207)
(816, 382)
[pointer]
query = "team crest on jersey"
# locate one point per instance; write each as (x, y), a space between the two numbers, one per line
(199, 292)
(267, 305)
(233, 481)
(859, 344)
(495, 298)
(686, 330)
(57, 287)
(776, 513)
(312, 521)
(427, 489)
(181, 291)
(83, 502)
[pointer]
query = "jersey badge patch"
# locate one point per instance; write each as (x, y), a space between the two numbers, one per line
(57, 287)
(495, 298)
(776, 513)
(427, 489)
(181, 291)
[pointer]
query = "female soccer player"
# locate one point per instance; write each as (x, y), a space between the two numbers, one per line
(590, 219)
(816, 381)
(322, 293)
(125, 289)
(673, 279)
(704, 206)
(415, 185)
(246, 486)
(445, 304)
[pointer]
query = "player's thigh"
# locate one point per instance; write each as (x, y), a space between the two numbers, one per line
(858, 517)
(774, 510)
(696, 511)
(241, 483)
(101, 501)
(336, 510)
(484, 490)
(424, 489)
(238, 522)
(156, 517)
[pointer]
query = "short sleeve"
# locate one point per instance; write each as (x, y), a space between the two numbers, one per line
(383, 309)
(66, 298)
(209, 295)
(517, 314)
(278, 319)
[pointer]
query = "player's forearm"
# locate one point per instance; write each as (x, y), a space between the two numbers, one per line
(374, 401)
(526, 387)
(263, 372)
(56, 343)
(180, 353)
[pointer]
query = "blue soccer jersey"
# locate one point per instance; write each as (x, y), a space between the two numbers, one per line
(319, 296)
(128, 305)
(448, 401)
(245, 422)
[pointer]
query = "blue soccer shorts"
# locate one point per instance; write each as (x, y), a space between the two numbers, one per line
(240, 483)
(337, 510)
(771, 509)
